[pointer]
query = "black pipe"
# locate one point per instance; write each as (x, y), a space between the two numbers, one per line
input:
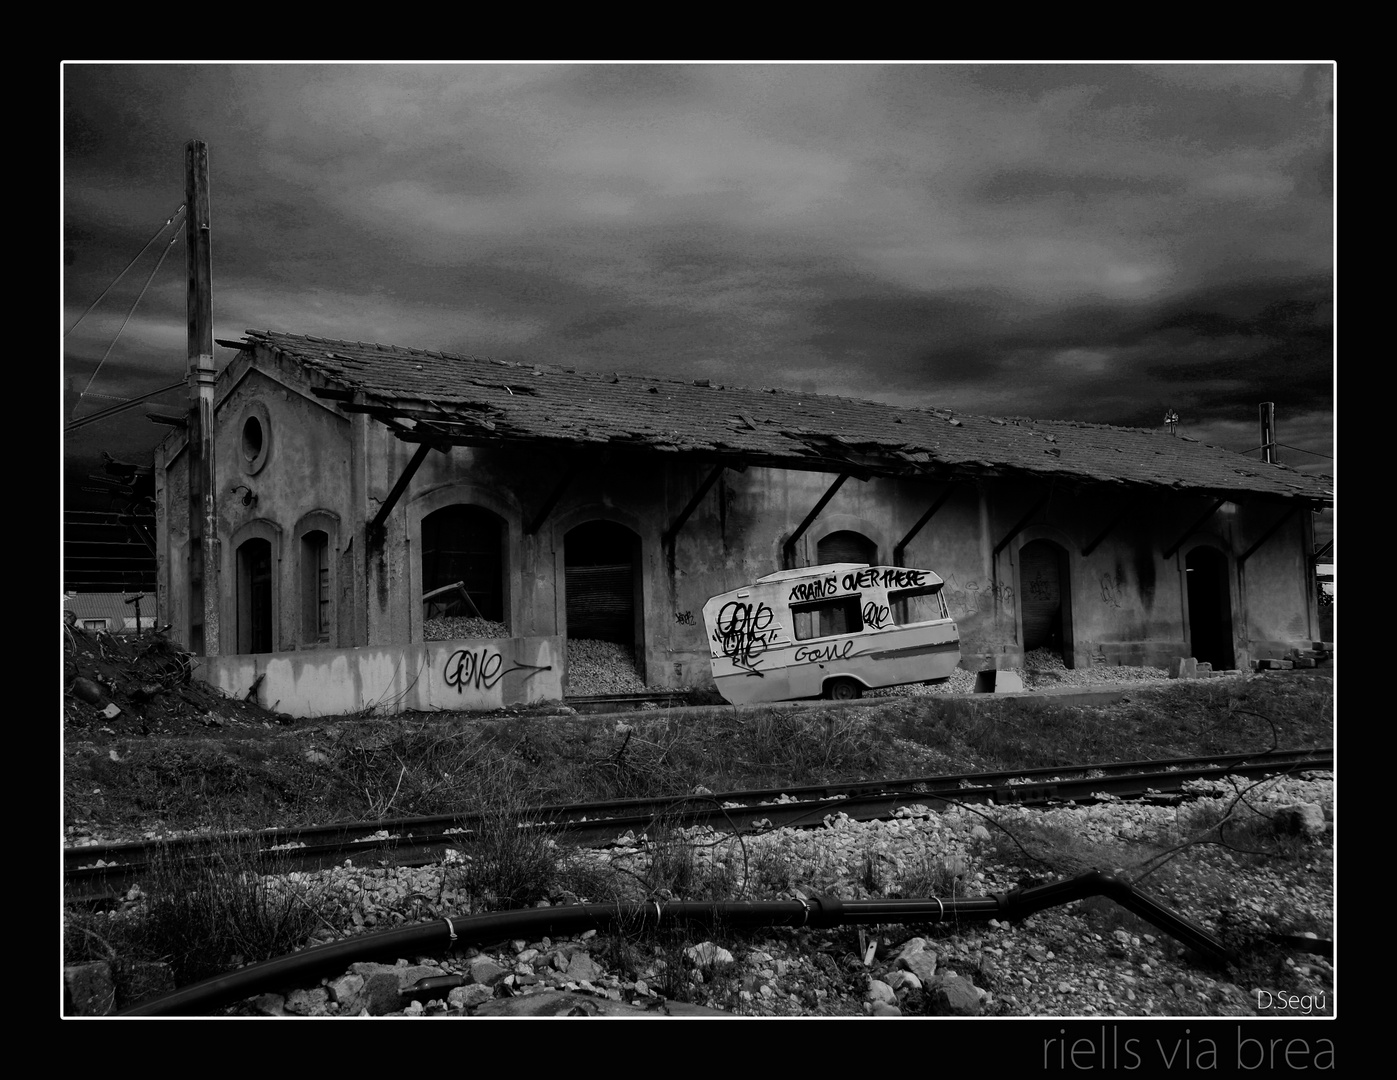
(818, 912)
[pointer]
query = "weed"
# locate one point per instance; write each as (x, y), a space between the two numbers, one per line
(930, 875)
(513, 862)
(230, 906)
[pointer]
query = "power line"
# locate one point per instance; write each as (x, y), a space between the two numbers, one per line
(1287, 446)
(126, 320)
(132, 263)
(94, 417)
(1310, 452)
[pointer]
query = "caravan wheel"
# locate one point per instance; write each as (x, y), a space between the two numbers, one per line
(843, 690)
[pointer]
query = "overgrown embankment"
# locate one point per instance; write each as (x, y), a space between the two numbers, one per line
(420, 764)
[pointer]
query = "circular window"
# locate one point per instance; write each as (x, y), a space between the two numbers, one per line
(252, 438)
(256, 437)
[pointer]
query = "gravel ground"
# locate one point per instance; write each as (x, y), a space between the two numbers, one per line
(1042, 669)
(1089, 959)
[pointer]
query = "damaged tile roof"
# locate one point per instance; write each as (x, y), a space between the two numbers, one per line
(480, 401)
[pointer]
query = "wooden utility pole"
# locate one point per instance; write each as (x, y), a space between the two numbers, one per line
(203, 488)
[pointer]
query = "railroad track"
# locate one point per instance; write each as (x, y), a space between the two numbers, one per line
(98, 871)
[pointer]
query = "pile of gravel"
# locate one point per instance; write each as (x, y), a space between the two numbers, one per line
(601, 667)
(457, 628)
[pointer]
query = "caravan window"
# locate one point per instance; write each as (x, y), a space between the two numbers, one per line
(825, 617)
(911, 606)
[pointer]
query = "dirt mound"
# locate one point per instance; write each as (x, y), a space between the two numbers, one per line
(149, 679)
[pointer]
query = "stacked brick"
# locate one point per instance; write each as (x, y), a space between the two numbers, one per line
(1319, 654)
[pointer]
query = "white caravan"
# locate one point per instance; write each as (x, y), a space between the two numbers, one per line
(834, 631)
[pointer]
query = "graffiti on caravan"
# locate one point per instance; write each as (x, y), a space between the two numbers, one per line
(888, 577)
(482, 669)
(743, 633)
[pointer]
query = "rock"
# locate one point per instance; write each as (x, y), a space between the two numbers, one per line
(706, 953)
(382, 994)
(485, 971)
(1300, 819)
(921, 964)
(1183, 667)
(268, 1005)
(883, 1009)
(87, 989)
(583, 968)
(915, 945)
(954, 996)
(308, 1002)
(468, 997)
(880, 992)
(345, 989)
(902, 980)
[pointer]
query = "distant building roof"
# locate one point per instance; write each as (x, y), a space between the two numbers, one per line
(427, 396)
(110, 606)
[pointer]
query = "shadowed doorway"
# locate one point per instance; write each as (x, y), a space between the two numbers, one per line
(1209, 608)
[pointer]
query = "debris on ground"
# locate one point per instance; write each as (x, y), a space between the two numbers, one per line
(144, 683)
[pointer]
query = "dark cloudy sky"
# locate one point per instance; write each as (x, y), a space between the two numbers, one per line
(1096, 242)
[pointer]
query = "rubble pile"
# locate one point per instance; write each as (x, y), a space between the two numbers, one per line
(143, 683)
(454, 628)
(601, 667)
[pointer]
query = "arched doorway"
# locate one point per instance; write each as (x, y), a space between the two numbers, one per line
(1045, 599)
(603, 584)
(464, 543)
(1209, 608)
(255, 596)
(846, 546)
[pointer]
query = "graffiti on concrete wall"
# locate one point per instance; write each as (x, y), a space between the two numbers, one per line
(1039, 588)
(742, 632)
(972, 597)
(481, 669)
(684, 618)
(1111, 590)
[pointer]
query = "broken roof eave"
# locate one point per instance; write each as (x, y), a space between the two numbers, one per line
(461, 420)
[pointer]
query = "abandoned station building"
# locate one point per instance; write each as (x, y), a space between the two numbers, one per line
(364, 489)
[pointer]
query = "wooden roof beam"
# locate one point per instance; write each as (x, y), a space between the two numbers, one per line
(691, 505)
(375, 528)
(553, 496)
(788, 549)
(901, 546)
(1174, 548)
(1290, 513)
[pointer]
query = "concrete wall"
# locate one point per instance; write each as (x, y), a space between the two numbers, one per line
(1125, 602)
(449, 675)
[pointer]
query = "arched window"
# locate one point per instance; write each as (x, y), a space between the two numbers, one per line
(463, 566)
(847, 546)
(315, 586)
(602, 564)
(254, 570)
